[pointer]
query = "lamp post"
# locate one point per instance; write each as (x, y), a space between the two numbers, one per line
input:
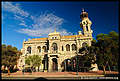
(76, 57)
(77, 64)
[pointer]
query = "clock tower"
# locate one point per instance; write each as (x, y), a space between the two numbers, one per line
(86, 24)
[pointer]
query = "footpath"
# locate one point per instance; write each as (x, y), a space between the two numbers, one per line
(59, 75)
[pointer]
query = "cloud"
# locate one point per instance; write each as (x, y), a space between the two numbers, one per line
(47, 20)
(19, 14)
(64, 32)
(35, 32)
(18, 17)
(36, 26)
(44, 24)
(23, 24)
(8, 6)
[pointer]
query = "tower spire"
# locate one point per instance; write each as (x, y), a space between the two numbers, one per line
(82, 9)
(83, 14)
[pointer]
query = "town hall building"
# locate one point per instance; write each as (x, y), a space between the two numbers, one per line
(57, 48)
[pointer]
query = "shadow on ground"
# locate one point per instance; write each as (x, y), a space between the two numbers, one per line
(111, 75)
(40, 78)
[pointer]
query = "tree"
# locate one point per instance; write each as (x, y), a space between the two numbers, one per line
(33, 61)
(107, 53)
(88, 57)
(9, 56)
(103, 51)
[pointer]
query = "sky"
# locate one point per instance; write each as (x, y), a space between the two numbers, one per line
(27, 20)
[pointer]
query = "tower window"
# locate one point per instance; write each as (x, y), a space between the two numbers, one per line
(62, 48)
(87, 28)
(83, 22)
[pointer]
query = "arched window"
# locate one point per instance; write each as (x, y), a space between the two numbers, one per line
(54, 46)
(87, 28)
(62, 48)
(44, 48)
(84, 44)
(39, 49)
(73, 47)
(67, 47)
(29, 49)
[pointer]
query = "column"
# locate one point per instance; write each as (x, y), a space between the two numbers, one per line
(50, 64)
(84, 28)
(59, 65)
(77, 45)
(41, 68)
(42, 49)
(89, 27)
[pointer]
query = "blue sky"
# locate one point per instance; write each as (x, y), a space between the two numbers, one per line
(24, 20)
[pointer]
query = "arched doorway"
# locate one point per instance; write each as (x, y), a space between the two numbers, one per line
(68, 64)
(55, 64)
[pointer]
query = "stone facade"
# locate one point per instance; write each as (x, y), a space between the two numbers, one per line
(57, 47)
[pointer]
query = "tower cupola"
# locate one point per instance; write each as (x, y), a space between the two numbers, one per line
(85, 24)
(83, 14)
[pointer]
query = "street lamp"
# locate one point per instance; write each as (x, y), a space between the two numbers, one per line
(77, 63)
(76, 57)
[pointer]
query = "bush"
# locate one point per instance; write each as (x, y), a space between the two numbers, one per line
(27, 70)
(114, 68)
(4, 71)
(14, 70)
